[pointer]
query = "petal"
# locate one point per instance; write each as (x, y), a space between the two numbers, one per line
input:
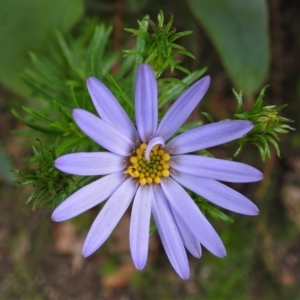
(146, 102)
(102, 133)
(182, 108)
(186, 208)
(214, 168)
(208, 136)
(90, 163)
(139, 226)
(88, 197)
(189, 240)
(110, 109)
(169, 234)
(109, 216)
(217, 193)
(151, 144)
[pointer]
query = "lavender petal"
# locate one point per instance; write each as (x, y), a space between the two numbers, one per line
(185, 207)
(155, 141)
(139, 226)
(214, 168)
(207, 136)
(217, 193)
(182, 108)
(109, 216)
(88, 197)
(90, 163)
(146, 102)
(110, 109)
(102, 133)
(189, 240)
(169, 234)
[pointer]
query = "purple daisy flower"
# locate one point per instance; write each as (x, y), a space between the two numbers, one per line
(144, 164)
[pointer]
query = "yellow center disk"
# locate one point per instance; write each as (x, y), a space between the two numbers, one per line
(149, 171)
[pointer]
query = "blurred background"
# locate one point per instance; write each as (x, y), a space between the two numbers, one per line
(245, 45)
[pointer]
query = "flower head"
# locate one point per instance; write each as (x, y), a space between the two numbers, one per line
(146, 165)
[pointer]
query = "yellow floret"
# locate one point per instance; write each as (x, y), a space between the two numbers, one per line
(133, 159)
(143, 181)
(128, 171)
(149, 180)
(157, 179)
(135, 174)
(139, 151)
(165, 173)
(166, 156)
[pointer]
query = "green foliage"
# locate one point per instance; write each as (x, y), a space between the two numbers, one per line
(59, 77)
(6, 166)
(267, 125)
(61, 72)
(209, 209)
(207, 116)
(65, 126)
(25, 26)
(51, 186)
(152, 227)
(171, 88)
(239, 31)
(189, 126)
(159, 48)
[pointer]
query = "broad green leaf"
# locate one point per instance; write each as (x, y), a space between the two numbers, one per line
(239, 31)
(25, 25)
(134, 5)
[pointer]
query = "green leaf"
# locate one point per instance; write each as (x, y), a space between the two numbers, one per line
(24, 27)
(130, 6)
(70, 55)
(208, 116)
(6, 166)
(260, 98)
(176, 89)
(140, 47)
(239, 31)
(152, 228)
(36, 127)
(239, 98)
(272, 141)
(35, 114)
(208, 208)
(239, 149)
(189, 126)
(118, 89)
(96, 49)
(182, 69)
(179, 35)
(68, 144)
